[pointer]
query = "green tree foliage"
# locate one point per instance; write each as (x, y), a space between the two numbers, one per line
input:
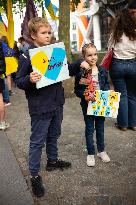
(76, 2)
(20, 3)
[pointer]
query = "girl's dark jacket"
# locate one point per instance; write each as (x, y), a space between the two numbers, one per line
(79, 89)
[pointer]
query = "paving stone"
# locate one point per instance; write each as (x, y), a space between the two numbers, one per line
(113, 183)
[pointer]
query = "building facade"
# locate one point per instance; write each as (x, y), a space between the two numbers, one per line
(102, 13)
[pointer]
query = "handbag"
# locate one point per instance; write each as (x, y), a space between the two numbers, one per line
(107, 59)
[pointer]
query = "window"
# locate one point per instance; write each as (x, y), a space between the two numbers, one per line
(74, 37)
(74, 26)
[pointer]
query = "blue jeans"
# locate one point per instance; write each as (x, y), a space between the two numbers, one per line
(45, 128)
(5, 93)
(90, 121)
(123, 73)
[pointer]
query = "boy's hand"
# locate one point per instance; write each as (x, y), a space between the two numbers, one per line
(35, 77)
(85, 65)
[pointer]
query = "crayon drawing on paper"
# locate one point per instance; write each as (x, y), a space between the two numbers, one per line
(106, 104)
(51, 62)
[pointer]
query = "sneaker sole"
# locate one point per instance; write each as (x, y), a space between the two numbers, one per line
(3, 129)
(49, 169)
(91, 165)
(39, 195)
(102, 159)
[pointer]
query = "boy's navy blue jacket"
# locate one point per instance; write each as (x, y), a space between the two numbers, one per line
(79, 89)
(40, 101)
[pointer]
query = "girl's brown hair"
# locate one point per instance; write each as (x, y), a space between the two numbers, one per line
(86, 46)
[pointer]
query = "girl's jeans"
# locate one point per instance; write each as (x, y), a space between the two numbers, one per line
(89, 131)
(123, 73)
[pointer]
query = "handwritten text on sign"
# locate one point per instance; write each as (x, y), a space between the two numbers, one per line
(51, 62)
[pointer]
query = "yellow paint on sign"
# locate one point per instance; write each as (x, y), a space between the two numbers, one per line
(113, 97)
(40, 61)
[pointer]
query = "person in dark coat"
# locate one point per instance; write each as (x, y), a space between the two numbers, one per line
(45, 109)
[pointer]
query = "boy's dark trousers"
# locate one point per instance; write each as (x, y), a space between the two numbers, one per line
(90, 121)
(45, 128)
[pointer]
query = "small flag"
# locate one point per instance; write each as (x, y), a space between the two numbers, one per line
(51, 9)
(55, 8)
(30, 13)
(3, 28)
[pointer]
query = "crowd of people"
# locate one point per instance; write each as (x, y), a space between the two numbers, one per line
(46, 104)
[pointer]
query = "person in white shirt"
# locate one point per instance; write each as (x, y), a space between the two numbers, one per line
(123, 67)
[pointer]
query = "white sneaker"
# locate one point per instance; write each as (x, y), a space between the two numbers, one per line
(90, 161)
(7, 104)
(4, 125)
(104, 156)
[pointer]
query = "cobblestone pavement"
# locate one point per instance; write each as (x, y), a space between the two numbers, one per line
(113, 183)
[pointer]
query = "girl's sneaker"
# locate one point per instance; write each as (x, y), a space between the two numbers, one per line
(90, 161)
(104, 156)
(4, 125)
(7, 104)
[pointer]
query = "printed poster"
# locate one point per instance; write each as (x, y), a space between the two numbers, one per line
(51, 62)
(106, 104)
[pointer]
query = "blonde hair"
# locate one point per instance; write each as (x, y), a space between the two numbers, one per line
(35, 23)
(86, 46)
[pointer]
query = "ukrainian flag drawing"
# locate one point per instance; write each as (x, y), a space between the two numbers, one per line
(51, 62)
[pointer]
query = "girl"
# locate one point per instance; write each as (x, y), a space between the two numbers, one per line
(100, 81)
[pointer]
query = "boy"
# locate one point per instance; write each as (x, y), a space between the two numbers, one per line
(45, 108)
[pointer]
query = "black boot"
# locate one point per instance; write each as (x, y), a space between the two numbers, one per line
(37, 186)
(59, 164)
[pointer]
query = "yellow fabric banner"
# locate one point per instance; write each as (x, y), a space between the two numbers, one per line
(11, 65)
(10, 32)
